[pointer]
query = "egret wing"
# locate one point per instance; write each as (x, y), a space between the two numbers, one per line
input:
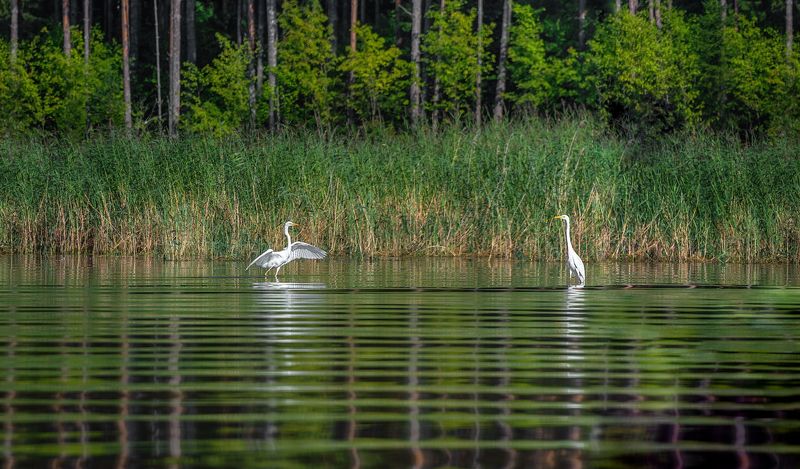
(301, 250)
(265, 257)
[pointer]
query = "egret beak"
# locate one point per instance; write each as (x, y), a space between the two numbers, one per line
(556, 218)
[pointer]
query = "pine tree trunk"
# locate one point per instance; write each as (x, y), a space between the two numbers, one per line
(651, 11)
(658, 13)
(191, 33)
(272, 61)
(333, 19)
(505, 26)
(14, 29)
(398, 38)
(251, 72)
(65, 26)
(351, 76)
(126, 71)
(437, 88)
(632, 5)
(239, 22)
(414, 91)
(617, 6)
(478, 77)
(158, 64)
(174, 67)
(581, 24)
(723, 11)
(87, 29)
(135, 16)
(108, 10)
(789, 27)
(260, 48)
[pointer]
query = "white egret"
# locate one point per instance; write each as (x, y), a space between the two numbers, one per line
(270, 259)
(574, 261)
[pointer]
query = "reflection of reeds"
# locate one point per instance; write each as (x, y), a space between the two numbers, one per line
(448, 193)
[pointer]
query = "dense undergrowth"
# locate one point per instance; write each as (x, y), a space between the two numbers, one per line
(454, 192)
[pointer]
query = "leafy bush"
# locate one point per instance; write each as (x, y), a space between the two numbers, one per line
(305, 64)
(450, 50)
(20, 107)
(217, 96)
(381, 76)
(645, 76)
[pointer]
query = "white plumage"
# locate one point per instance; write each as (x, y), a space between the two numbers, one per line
(574, 262)
(270, 259)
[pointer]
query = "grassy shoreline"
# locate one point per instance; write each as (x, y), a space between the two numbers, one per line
(452, 193)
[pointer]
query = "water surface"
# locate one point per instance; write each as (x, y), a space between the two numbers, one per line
(110, 362)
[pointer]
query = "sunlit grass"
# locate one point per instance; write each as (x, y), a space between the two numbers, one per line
(490, 192)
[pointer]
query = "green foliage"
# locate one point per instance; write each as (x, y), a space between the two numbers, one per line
(644, 75)
(758, 84)
(450, 50)
(19, 100)
(381, 76)
(217, 96)
(527, 64)
(71, 94)
(306, 64)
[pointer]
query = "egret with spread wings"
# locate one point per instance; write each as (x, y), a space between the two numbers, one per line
(270, 259)
(574, 261)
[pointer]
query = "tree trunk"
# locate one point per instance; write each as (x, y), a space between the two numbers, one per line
(109, 18)
(581, 24)
(333, 19)
(126, 71)
(174, 67)
(87, 29)
(505, 26)
(617, 6)
(14, 29)
(239, 22)
(191, 34)
(437, 89)
(260, 48)
(351, 76)
(632, 5)
(478, 76)
(251, 68)
(272, 61)
(135, 25)
(158, 64)
(723, 11)
(65, 26)
(651, 11)
(398, 38)
(789, 28)
(414, 91)
(353, 22)
(658, 13)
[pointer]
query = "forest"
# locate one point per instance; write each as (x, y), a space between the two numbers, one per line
(74, 68)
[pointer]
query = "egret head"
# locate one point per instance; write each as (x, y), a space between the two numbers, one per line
(289, 223)
(562, 217)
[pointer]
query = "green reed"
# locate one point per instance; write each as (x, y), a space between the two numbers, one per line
(453, 192)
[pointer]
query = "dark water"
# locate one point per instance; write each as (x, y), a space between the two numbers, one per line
(437, 363)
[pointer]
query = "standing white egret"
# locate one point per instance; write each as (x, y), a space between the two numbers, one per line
(574, 261)
(270, 259)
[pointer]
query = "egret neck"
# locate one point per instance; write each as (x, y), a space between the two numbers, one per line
(569, 241)
(288, 238)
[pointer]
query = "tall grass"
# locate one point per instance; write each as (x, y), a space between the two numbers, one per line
(457, 192)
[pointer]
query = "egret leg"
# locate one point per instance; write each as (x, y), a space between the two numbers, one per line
(276, 272)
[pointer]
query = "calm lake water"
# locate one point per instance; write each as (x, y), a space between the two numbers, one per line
(110, 362)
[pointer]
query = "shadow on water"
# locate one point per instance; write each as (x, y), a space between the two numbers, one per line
(139, 364)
